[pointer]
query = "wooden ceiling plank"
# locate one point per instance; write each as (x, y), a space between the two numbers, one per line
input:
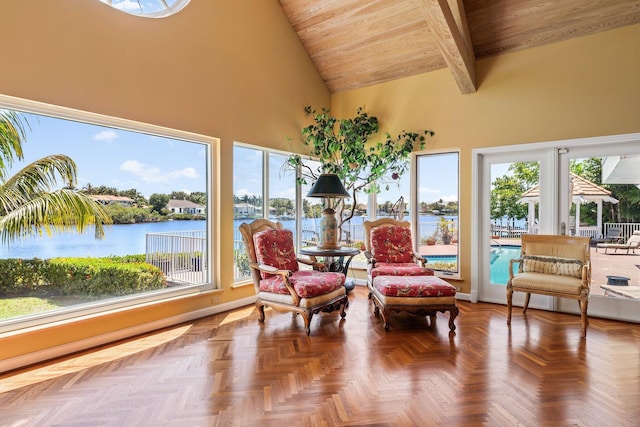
(451, 40)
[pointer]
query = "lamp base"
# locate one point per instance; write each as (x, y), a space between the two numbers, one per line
(328, 230)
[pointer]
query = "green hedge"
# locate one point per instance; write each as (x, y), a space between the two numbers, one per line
(111, 276)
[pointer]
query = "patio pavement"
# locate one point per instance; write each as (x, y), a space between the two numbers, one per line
(602, 265)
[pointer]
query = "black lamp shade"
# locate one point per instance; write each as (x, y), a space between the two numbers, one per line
(328, 185)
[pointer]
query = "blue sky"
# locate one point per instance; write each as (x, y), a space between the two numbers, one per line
(151, 164)
(439, 178)
(118, 158)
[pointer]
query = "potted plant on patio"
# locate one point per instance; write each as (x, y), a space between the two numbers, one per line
(446, 230)
(430, 241)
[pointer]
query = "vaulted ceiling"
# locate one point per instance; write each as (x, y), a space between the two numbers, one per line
(357, 43)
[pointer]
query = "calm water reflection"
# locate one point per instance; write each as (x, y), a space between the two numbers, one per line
(124, 239)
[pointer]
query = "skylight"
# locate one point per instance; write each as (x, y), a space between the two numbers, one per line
(148, 8)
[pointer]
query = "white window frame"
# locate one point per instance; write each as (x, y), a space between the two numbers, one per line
(166, 9)
(33, 107)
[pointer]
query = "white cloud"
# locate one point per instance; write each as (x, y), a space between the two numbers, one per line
(183, 173)
(241, 192)
(453, 198)
(126, 5)
(105, 135)
(153, 174)
(427, 190)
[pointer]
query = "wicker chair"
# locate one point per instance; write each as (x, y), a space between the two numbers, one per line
(278, 280)
(397, 277)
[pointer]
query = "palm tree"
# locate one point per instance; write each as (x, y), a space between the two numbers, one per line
(29, 200)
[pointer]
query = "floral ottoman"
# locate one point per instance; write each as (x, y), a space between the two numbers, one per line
(418, 295)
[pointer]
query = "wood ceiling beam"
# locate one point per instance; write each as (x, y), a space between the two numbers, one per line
(448, 23)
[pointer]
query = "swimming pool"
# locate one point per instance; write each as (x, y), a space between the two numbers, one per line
(442, 258)
(499, 268)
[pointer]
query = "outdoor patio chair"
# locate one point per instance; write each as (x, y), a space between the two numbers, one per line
(613, 235)
(278, 280)
(631, 245)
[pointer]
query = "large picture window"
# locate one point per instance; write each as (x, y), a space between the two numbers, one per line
(437, 178)
(260, 175)
(152, 185)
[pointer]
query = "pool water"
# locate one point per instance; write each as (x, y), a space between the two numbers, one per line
(499, 268)
(442, 258)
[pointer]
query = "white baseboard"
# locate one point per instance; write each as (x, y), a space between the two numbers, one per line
(464, 297)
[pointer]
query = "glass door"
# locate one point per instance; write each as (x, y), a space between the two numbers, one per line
(588, 187)
(605, 204)
(512, 200)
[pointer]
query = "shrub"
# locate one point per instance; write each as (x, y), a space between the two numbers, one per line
(110, 276)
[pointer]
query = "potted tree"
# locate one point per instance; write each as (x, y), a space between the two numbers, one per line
(343, 148)
(446, 230)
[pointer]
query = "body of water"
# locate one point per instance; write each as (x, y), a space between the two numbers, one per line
(121, 239)
(128, 239)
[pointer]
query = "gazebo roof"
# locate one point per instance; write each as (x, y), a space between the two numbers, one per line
(584, 191)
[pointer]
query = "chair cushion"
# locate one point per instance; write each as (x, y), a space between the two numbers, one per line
(391, 243)
(548, 283)
(552, 265)
(306, 283)
(413, 286)
(274, 247)
(399, 269)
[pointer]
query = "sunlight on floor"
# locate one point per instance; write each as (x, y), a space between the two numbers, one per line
(94, 358)
(237, 315)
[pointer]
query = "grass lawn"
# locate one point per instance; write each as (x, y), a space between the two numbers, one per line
(23, 306)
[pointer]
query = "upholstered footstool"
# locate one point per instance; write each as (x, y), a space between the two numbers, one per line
(418, 295)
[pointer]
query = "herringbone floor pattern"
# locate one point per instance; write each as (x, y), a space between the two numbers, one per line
(229, 370)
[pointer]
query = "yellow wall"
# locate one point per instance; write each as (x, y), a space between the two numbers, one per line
(579, 88)
(235, 70)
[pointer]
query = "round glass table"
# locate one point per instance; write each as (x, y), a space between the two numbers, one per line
(337, 260)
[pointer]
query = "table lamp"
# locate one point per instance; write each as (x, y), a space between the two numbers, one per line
(328, 186)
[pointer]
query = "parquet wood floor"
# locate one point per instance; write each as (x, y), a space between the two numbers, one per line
(229, 370)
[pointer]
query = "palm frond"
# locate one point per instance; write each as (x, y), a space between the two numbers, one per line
(38, 177)
(12, 132)
(61, 210)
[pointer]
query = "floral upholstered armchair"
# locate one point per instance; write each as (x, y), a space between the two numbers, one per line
(389, 250)
(278, 280)
(397, 277)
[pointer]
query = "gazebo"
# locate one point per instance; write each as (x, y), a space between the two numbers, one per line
(583, 191)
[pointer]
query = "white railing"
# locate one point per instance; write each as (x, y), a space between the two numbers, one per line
(351, 234)
(593, 232)
(181, 255)
(626, 228)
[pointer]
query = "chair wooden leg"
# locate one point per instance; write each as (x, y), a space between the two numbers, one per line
(307, 322)
(385, 318)
(509, 298)
(584, 320)
(526, 302)
(260, 308)
(453, 313)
